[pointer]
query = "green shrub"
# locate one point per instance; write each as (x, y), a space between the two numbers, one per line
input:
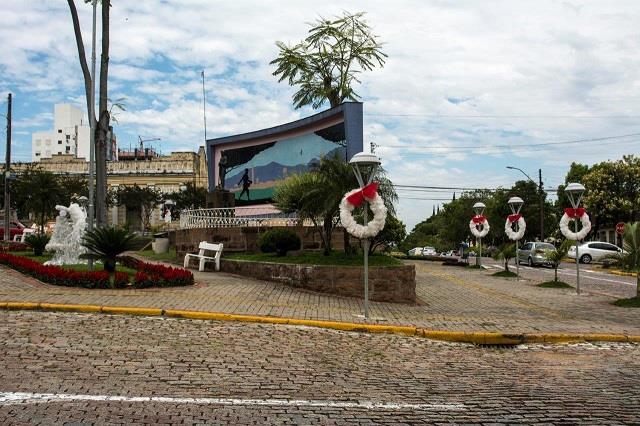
(280, 241)
(37, 242)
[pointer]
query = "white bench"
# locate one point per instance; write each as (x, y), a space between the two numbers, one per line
(203, 248)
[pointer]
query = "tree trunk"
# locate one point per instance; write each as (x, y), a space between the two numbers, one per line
(637, 284)
(103, 123)
(506, 264)
(555, 274)
(347, 241)
(326, 229)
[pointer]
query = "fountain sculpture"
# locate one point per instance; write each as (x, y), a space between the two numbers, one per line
(66, 240)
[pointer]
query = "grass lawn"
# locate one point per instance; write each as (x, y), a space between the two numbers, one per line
(554, 284)
(505, 274)
(80, 267)
(633, 302)
(151, 255)
(317, 258)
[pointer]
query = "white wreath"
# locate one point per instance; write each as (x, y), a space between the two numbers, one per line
(354, 228)
(513, 235)
(479, 233)
(575, 236)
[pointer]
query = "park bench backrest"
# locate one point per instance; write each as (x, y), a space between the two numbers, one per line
(205, 246)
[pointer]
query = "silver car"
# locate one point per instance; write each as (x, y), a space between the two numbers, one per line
(534, 253)
(593, 251)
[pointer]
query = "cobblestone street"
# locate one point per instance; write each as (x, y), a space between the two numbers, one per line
(120, 370)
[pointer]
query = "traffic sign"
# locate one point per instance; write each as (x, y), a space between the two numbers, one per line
(620, 228)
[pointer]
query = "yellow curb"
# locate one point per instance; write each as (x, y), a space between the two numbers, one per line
(622, 273)
(61, 307)
(131, 311)
(478, 338)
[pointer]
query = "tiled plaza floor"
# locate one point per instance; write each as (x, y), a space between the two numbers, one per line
(449, 299)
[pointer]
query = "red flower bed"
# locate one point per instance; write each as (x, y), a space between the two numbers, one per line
(60, 276)
(155, 275)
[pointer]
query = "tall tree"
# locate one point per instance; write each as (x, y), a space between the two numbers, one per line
(327, 63)
(102, 127)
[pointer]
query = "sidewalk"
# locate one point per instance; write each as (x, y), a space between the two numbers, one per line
(452, 299)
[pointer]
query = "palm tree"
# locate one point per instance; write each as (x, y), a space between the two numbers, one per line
(106, 244)
(556, 255)
(505, 252)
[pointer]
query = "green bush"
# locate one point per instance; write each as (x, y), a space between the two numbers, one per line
(37, 242)
(279, 241)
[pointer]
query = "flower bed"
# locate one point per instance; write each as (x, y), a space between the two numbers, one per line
(57, 275)
(155, 275)
(148, 275)
(14, 246)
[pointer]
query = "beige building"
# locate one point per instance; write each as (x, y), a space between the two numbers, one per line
(166, 173)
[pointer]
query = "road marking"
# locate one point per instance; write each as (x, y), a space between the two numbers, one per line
(566, 272)
(9, 398)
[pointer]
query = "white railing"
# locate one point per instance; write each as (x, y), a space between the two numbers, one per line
(237, 216)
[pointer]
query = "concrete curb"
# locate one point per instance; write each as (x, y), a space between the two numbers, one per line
(622, 273)
(477, 338)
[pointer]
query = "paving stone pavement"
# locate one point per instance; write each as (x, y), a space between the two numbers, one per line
(120, 356)
(449, 299)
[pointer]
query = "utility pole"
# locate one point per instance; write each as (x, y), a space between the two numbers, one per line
(92, 136)
(541, 190)
(7, 175)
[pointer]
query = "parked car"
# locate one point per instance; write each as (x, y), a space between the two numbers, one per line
(593, 251)
(15, 228)
(449, 253)
(416, 251)
(534, 253)
(429, 251)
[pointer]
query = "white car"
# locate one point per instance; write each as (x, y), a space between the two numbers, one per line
(416, 251)
(593, 251)
(429, 251)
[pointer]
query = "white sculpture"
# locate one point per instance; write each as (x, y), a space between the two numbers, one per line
(167, 216)
(66, 240)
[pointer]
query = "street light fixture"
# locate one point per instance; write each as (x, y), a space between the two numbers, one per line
(478, 209)
(540, 195)
(515, 204)
(365, 167)
(574, 192)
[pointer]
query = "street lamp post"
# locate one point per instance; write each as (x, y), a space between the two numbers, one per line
(574, 192)
(364, 167)
(515, 204)
(540, 196)
(478, 209)
(92, 124)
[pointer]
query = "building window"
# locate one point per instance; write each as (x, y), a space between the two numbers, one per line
(59, 130)
(37, 154)
(68, 137)
(59, 142)
(68, 149)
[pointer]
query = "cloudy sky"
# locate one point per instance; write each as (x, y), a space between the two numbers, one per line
(469, 87)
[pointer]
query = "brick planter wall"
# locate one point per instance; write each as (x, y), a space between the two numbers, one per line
(386, 283)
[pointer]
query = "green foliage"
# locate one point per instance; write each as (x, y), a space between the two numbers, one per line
(106, 243)
(556, 256)
(317, 258)
(327, 63)
(193, 197)
(142, 199)
(38, 192)
(504, 274)
(393, 233)
(37, 243)
(554, 284)
(505, 252)
(279, 241)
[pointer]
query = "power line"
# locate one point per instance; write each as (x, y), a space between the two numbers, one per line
(505, 116)
(452, 188)
(529, 146)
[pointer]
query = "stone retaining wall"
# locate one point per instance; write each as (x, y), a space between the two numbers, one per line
(386, 283)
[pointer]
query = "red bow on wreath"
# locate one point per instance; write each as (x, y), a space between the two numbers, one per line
(369, 191)
(478, 219)
(514, 217)
(575, 213)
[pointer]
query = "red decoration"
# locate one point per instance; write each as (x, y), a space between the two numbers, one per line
(620, 228)
(575, 213)
(369, 191)
(514, 217)
(478, 219)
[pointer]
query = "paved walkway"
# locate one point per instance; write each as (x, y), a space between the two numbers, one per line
(451, 298)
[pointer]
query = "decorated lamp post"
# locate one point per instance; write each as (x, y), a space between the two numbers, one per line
(515, 204)
(364, 166)
(479, 227)
(574, 191)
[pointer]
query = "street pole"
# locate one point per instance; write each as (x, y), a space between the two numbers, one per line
(365, 245)
(92, 123)
(541, 205)
(577, 259)
(7, 174)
